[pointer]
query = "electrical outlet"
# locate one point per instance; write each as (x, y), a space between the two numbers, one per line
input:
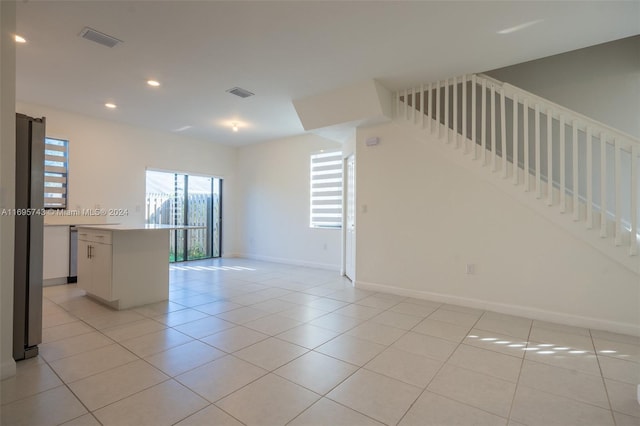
(471, 269)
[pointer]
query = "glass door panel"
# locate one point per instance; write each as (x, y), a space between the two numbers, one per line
(199, 213)
(179, 199)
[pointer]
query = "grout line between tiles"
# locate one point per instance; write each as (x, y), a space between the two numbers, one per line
(604, 383)
(515, 391)
(436, 375)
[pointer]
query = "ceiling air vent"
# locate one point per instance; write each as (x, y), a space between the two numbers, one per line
(238, 91)
(98, 37)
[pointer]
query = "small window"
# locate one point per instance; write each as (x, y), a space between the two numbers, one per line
(326, 190)
(56, 163)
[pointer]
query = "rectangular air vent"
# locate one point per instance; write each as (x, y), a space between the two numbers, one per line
(98, 37)
(238, 91)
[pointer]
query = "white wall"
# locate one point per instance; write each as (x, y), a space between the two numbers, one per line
(274, 206)
(7, 183)
(601, 82)
(108, 160)
(427, 217)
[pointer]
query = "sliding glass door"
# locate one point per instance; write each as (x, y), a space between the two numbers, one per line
(181, 199)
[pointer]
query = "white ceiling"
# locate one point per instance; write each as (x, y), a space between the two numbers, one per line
(280, 51)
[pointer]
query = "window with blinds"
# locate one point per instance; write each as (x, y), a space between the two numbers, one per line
(326, 190)
(56, 163)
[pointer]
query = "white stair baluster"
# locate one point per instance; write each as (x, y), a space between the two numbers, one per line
(474, 140)
(464, 112)
(603, 184)
(455, 111)
(537, 147)
(446, 111)
(406, 104)
(422, 106)
(563, 171)
(618, 182)
(438, 109)
(549, 157)
(515, 139)
(589, 179)
(503, 133)
(413, 106)
(525, 128)
(484, 122)
(635, 157)
(576, 170)
(493, 129)
(430, 109)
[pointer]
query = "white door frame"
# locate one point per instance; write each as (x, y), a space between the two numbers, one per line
(345, 206)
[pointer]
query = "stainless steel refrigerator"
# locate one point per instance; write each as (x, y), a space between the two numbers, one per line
(29, 223)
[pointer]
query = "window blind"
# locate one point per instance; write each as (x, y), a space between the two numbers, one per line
(326, 190)
(56, 163)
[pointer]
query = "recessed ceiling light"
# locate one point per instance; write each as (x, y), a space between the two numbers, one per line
(520, 27)
(110, 105)
(153, 83)
(234, 127)
(19, 39)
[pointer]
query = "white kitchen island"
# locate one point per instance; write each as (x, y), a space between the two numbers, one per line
(124, 266)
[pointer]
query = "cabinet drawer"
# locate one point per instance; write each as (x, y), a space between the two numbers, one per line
(96, 236)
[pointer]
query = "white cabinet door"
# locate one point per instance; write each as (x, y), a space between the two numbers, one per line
(84, 266)
(101, 262)
(95, 265)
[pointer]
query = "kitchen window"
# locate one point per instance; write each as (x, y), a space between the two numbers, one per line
(56, 167)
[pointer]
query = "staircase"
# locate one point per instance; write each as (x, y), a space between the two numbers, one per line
(581, 172)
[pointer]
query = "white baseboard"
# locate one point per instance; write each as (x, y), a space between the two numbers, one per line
(54, 281)
(7, 369)
(295, 262)
(503, 308)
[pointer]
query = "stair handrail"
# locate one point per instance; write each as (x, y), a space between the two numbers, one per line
(570, 115)
(413, 101)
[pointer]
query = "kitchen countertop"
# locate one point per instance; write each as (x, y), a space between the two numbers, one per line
(143, 227)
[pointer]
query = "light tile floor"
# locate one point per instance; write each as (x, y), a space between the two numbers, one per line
(255, 343)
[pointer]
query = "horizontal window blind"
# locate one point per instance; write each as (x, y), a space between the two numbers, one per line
(326, 190)
(56, 163)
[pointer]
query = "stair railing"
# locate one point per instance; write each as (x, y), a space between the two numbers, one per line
(571, 161)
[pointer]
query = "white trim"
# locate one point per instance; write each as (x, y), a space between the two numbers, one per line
(296, 262)
(230, 255)
(7, 369)
(54, 281)
(503, 308)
